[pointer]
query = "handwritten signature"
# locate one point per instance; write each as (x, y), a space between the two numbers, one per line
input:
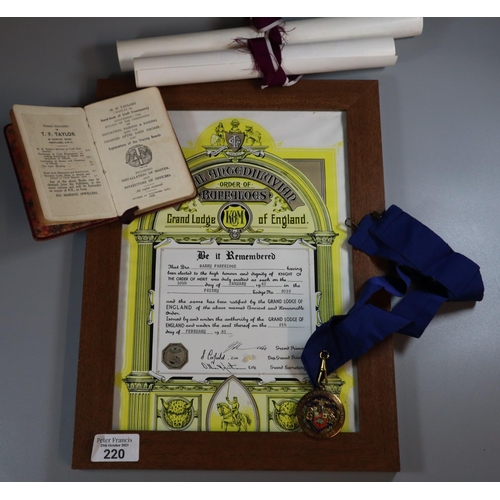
(229, 367)
(237, 346)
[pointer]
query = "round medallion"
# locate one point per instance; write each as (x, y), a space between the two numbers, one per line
(138, 156)
(234, 217)
(320, 414)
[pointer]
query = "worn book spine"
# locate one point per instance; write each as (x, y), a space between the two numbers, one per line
(39, 230)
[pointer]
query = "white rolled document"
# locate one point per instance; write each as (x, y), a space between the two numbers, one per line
(234, 64)
(306, 31)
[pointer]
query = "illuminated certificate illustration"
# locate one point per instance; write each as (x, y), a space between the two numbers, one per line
(222, 292)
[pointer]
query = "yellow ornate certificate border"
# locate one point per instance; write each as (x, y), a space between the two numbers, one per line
(252, 186)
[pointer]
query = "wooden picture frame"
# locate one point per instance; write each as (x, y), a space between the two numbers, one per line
(375, 446)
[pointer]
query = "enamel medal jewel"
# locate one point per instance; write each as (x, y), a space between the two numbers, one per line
(320, 413)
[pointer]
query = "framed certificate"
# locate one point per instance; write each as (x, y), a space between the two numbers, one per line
(194, 318)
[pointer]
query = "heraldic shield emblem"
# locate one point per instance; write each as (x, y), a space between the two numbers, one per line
(235, 140)
(320, 420)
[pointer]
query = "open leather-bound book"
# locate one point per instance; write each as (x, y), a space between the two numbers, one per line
(114, 159)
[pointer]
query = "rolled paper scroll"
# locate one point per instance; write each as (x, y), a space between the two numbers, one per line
(236, 64)
(305, 31)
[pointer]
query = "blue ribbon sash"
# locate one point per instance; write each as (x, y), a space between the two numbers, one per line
(426, 273)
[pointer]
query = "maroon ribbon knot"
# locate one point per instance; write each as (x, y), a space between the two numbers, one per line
(266, 52)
